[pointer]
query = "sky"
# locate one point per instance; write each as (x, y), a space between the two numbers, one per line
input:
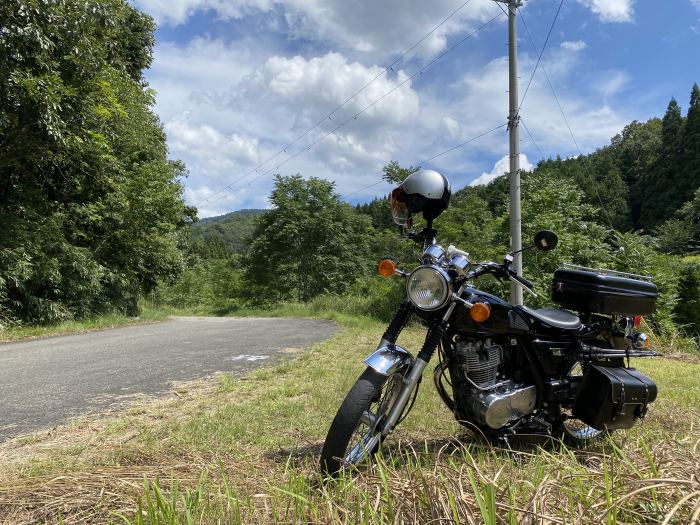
(336, 89)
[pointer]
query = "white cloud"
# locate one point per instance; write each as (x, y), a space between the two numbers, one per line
(224, 114)
(209, 145)
(178, 11)
(228, 105)
(696, 3)
(378, 29)
(310, 88)
(593, 122)
(501, 167)
(577, 45)
(611, 10)
(612, 83)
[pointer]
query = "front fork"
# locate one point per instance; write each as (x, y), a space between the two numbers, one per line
(390, 358)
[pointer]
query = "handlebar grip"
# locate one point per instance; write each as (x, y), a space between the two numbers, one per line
(521, 280)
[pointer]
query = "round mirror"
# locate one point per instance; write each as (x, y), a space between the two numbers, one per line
(546, 240)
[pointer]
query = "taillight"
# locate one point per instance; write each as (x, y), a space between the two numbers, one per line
(637, 321)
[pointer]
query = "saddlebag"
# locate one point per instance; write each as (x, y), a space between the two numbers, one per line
(596, 292)
(613, 397)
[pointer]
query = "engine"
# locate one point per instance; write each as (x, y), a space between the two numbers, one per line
(479, 395)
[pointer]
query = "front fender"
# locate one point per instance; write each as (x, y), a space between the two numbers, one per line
(389, 359)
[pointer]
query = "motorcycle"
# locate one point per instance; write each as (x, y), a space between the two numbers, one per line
(503, 370)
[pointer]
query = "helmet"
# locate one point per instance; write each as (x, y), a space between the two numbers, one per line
(424, 191)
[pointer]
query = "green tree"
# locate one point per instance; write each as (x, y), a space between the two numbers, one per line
(395, 174)
(660, 185)
(636, 150)
(90, 205)
(689, 175)
(308, 244)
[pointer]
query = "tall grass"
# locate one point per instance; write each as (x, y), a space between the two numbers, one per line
(247, 450)
(461, 484)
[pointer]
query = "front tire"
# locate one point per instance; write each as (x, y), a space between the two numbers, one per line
(355, 433)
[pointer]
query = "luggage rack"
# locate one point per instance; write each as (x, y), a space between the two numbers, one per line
(614, 273)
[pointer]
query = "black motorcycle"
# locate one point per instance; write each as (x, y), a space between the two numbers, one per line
(502, 370)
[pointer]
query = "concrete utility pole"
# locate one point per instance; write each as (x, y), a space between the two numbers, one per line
(516, 293)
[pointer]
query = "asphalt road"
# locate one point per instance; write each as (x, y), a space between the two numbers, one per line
(44, 382)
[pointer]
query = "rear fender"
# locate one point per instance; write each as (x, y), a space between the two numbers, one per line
(389, 359)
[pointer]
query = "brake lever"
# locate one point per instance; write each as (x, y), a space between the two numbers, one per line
(530, 291)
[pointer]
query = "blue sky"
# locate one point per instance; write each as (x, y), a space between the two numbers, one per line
(238, 80)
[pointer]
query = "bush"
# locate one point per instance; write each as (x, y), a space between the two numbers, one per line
(687, 309)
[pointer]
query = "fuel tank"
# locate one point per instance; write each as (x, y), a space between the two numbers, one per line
(503, 319)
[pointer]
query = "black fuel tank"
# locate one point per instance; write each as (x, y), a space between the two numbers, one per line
(503, 319)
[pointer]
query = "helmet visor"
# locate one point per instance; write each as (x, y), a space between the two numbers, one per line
(399, 209)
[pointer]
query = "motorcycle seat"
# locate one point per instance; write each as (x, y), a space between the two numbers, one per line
(554, 317)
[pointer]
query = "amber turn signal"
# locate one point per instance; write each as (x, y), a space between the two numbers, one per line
(386, 268)
(480, 312)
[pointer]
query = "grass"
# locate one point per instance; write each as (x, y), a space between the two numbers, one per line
(110, 320)
(245, 450)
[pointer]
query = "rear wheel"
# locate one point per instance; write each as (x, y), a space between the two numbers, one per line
(355, 433)
(575, 431)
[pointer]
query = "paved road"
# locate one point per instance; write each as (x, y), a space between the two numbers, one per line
(44, 382)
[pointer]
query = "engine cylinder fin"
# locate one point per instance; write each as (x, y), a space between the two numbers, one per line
(479, 361)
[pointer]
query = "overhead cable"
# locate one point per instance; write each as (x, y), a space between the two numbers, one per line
(435, 156)
(566, 122)
(359, 113)
(539, 57)
(344, 103)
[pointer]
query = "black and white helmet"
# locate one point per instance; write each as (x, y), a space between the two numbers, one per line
(425, 191)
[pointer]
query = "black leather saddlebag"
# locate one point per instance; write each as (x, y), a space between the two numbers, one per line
(613, 397)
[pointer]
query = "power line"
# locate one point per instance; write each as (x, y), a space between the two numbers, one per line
(462, 144)
(359, 113)
(539, 57)
(566, 122)
(532, 139)
(435, 156)
(363, 189)
(337, 108)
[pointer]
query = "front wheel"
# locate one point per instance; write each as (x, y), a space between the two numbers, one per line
(355, 433)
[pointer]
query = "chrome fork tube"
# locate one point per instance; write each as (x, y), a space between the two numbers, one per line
(409, 383)
(411, 379)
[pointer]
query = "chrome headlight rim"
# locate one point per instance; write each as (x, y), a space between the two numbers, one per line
(445, 282)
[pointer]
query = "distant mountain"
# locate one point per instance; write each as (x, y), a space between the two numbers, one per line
(234, 228)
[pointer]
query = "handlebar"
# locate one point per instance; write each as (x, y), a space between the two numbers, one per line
(502, 270)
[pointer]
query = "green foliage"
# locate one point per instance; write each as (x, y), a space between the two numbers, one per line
(90, 205)
(234, 229)
(379, 210)
(635, 254)
(688, 307)
(309, 244)
(665, 187)
(209, 284)
(395, 174)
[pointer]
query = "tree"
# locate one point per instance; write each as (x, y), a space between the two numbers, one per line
(308, 244)
(395, 174)
(689, 176)
(660, 185)
(90, 204)
(636, 151)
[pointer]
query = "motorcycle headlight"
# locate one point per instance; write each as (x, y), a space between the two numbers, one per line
(428, 287)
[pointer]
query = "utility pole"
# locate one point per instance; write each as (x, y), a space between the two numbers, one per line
(516, 244)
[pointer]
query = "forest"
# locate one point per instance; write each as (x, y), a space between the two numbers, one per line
(94, 219)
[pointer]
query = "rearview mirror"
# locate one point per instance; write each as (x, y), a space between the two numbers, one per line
(546, 240)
